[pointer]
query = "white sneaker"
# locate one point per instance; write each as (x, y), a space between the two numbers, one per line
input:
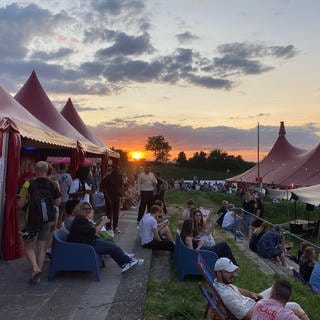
(130, 255)
(140, 262)
(129, 265)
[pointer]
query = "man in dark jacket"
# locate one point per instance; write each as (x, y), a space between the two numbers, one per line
(112, 186)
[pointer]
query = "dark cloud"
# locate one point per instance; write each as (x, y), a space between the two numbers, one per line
(83, 109)
(186, 37)
(19, 25)
(53, 55)
(117, 7)
(231, 63)
(183, 138)
(246, 50)
(242, 58)
(78, 87)
(92, 69)
(128, 45)
(259, 115)
(141, 116)
(283, 52)
(133, 70)
(92, 34)
(209, 82)
(121, 59)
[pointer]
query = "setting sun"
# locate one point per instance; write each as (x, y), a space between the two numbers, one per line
(136, 155)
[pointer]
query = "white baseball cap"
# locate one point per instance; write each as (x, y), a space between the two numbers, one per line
(225, 264)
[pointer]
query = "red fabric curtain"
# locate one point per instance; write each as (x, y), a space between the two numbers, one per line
(11, 242)
(76, 160)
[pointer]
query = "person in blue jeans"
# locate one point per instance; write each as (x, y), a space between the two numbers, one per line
(83, 230)
(270, 245)
(315, 278)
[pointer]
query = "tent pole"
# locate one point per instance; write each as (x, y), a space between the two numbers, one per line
(3, 173)
(258, 152)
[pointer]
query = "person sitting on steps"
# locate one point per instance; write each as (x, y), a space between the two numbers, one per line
(153, 233)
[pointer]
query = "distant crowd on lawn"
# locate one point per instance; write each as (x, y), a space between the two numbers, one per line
(181, 184)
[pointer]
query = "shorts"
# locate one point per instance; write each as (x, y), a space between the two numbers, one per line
(43, 233)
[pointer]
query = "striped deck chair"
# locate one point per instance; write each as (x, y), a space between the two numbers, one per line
(208, 276)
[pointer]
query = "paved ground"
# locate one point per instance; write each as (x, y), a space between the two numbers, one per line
(76, 295)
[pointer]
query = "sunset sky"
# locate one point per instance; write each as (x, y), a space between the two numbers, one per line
(201, 73)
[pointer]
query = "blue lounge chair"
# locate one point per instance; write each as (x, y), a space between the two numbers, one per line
(186, 259)
(70, 256)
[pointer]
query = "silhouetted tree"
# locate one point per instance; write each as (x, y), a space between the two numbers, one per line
(160, 148)
(198, 160)
(182, 159)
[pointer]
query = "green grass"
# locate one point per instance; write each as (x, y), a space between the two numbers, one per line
(175, 300)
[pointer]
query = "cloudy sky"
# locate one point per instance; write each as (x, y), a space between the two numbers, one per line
(203, 73)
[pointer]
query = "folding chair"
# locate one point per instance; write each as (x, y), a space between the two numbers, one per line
(208, 276)
(212, 311)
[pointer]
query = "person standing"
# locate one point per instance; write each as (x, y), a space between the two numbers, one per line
(80, 188)
(248, 207)
(112, 186)
(146, 184)
(43, 195)
(161, 187)
(65, 180)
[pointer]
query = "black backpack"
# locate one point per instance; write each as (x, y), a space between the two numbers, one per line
(41, 204)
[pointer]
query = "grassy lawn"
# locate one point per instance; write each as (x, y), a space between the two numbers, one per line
(182, 300)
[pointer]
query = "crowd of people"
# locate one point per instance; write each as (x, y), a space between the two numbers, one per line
(52, 199)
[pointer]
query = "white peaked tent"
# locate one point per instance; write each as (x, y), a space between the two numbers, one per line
(310, 195)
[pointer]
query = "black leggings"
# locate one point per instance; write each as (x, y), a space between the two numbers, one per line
(159, 245)
(222, 250)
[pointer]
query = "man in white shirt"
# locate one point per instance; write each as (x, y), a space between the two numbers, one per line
(146, 184)
(153, 235)
(240, 302)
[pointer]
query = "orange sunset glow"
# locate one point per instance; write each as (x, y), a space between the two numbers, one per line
(136, 155)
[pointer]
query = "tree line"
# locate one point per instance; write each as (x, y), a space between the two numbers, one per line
(214, 160)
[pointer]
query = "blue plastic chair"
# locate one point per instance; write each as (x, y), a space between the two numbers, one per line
(70, 256)
(177, 249)
(186, 259)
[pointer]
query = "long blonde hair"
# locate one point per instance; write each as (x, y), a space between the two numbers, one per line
(78, 210)
(265, 226)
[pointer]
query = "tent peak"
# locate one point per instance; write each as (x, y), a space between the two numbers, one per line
(282, 130)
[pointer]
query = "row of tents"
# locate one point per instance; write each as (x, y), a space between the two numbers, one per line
(31, 127)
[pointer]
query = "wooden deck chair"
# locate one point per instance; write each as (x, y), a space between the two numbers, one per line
(212, 311)
(208, 276)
